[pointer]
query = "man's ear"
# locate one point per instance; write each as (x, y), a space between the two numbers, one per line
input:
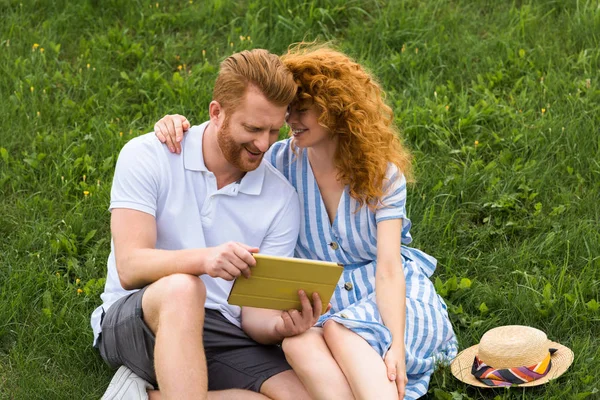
(216, 113)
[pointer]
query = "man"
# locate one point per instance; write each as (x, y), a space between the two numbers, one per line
(204, 213)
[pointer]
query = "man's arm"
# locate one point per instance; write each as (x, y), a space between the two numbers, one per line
(272, 326)
(139, 263)
(139, 176)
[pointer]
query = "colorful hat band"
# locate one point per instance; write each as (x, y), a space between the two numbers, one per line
(511, 376)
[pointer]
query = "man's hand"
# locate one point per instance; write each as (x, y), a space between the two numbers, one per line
(294, 322)
(396, 369)
(169, 129)
(230, 260)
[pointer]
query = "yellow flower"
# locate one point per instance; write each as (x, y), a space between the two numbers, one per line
(86, 193)
(179, 67)
(34, 47)
(231, 44)
(41, 49)
(77, 281)
(476, 143)
(248, 38)
(543, 110)
(98, 184)
(79, 291)
(203, 53)
(88, 66)
(416, 50)
(31, 89)
(38, 114)
(403, 48)
(58, 274)
(242, 38)
(121, 134)
(447, 108)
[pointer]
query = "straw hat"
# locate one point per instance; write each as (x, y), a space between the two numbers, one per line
(510, 347)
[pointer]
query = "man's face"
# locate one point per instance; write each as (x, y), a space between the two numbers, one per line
(248, 132)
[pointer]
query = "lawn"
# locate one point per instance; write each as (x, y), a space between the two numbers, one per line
(499, 101)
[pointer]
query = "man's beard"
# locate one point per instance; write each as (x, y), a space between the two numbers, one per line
(234, 152)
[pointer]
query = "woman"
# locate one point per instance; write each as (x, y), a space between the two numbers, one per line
(387, 327)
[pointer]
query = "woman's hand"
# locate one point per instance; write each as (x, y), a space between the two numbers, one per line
(169, 129)
(395, 363)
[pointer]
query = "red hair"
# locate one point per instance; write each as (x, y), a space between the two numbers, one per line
(255, 67)
(352, 107)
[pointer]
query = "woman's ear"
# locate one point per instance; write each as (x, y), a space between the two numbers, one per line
(216, 113)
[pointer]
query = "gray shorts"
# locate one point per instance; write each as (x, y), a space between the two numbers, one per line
(235, 361)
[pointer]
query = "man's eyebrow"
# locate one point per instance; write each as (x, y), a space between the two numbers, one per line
(252, 126)
(261, 128)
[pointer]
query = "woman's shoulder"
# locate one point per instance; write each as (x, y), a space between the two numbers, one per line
(281, 153)
(393, 176)
(281, 146)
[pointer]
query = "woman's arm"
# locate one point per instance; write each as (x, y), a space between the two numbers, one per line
(169, 130)
(390, 288)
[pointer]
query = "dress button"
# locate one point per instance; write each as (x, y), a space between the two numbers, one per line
(334, 245)
(348, 286)
(343, 316)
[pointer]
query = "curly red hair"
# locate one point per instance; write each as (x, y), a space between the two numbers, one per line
(352, 106)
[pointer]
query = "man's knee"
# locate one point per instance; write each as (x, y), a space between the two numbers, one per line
(181, 295)
(182, 288)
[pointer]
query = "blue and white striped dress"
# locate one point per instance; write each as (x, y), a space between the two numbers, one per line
(352, 241)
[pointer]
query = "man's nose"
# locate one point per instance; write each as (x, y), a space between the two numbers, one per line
(262, 142)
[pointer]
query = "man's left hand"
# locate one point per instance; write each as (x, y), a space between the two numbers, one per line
(294, 322)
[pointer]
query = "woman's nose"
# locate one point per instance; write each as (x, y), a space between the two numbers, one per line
(291, 117)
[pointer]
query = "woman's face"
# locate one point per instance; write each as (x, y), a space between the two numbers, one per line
(304, 123)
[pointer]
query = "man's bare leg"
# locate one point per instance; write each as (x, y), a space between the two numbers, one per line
(232, 394)
(173, 309)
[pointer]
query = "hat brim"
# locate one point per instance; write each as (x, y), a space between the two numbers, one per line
(462, 364)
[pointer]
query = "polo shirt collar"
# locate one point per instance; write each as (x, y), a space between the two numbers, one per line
(193, 159)
(252, 182)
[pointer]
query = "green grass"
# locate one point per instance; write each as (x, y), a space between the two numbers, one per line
(500, 101)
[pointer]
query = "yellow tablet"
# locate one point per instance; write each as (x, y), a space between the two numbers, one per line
(275, 282)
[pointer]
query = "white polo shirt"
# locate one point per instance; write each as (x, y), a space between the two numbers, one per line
(262, 210)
